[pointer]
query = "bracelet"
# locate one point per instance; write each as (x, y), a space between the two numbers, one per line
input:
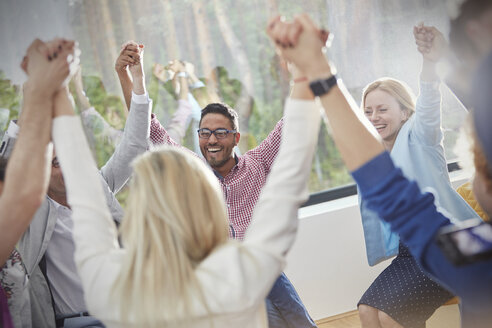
(182, 74)
(323, 86)
(300, 79)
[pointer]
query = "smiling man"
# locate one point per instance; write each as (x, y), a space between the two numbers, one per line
(218, 136)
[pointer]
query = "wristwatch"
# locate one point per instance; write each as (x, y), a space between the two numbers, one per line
(323, 86)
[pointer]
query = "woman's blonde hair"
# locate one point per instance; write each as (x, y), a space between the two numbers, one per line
(481, 164)
(175, 218)
(397, 89)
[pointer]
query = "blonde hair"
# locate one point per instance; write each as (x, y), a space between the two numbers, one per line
(175, 218)
(395, 88)
(481, 164)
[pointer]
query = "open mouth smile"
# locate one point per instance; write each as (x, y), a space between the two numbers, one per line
(380, 127)
(214, 149)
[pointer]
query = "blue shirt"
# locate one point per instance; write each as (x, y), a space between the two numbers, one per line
(414, 216)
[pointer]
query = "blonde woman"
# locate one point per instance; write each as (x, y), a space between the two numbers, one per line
(178, 268)
(403, 295)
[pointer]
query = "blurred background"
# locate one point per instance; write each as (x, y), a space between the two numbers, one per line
(225, 40)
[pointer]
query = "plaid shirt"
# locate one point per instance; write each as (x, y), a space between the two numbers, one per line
(242, 186)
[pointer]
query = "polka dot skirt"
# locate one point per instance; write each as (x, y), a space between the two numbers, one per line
(405, 293)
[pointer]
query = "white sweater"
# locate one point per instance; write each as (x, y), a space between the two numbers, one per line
(237, 277)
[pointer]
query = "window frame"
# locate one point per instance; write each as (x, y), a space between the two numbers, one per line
(350, 190)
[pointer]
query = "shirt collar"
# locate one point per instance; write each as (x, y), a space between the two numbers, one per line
(220, 177)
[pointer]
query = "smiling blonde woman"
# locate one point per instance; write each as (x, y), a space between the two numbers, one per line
(403, 295)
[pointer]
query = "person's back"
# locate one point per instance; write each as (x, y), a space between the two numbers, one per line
(177, 253)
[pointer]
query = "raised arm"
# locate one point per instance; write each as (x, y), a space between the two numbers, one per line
(27, 173)
(349, 127)
(94, 231)
(90, 116)
(135, 138)
(267, 150)
(432, 45)
(182, 116)
(129, 56)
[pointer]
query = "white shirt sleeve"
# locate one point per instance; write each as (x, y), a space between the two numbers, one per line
(140, 99)
(94, 231)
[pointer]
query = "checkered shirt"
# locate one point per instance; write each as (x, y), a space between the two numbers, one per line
(242, 186)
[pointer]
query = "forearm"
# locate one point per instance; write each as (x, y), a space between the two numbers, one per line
(183, 90)
(180, 120)
(354, 136)
(27, 174)
(139, 85)
(133, 143)
(126, 86)
(428, 72)
(300, 85)
(28, 165)
(82, 100)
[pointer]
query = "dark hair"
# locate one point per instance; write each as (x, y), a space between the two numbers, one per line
(469, 10)
(222, 109)
(3, 168)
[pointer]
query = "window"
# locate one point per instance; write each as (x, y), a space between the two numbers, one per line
(226, 42)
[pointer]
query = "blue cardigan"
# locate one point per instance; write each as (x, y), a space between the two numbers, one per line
(418, 151)
(414, 216)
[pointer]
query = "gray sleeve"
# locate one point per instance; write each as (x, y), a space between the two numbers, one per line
(134, 142)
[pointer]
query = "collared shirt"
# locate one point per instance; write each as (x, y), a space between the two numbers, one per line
(65, 283)
(242, 185)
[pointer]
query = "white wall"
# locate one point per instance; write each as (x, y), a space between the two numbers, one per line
(328, 264)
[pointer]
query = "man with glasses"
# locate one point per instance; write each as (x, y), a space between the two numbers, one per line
(241, 179)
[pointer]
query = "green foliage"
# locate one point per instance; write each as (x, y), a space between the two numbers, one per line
(9, 99)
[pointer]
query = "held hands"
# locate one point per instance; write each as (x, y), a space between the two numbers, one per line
(50, 65)
(301, 43)
(189, 68)
(430, 42)
(176, 66)
(131, 57)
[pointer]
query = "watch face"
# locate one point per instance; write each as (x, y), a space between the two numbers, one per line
(320, 87)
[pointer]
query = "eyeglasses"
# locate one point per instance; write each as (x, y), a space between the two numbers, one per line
(55, 163)
(218, 133)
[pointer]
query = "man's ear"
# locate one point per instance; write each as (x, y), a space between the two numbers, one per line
(238, 136)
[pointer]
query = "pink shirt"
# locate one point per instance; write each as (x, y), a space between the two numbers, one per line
(242, 186)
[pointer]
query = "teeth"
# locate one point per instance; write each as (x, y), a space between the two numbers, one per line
(213, 149)
(379, 126)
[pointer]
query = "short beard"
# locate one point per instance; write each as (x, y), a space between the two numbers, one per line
(214, 163)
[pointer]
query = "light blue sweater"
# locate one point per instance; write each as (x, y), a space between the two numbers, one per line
(418, 151)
